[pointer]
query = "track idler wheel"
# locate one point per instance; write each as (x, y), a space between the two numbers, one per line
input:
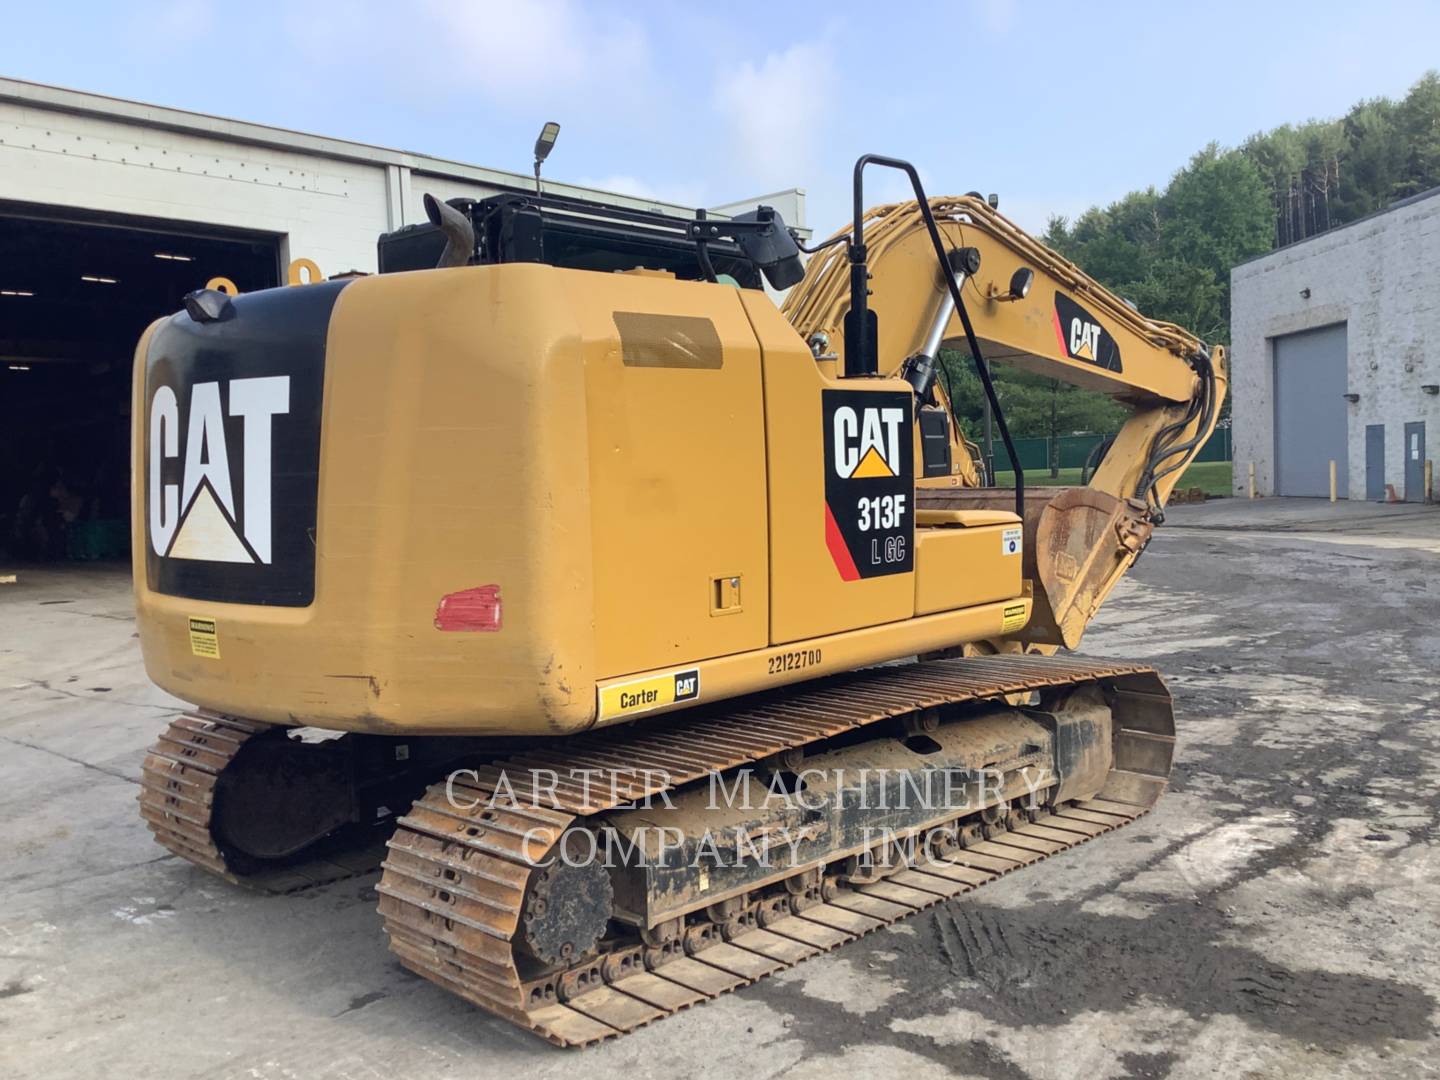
(569, 903)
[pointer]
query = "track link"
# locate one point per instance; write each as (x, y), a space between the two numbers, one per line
(456, 881)
(177, 800)
(177, 787)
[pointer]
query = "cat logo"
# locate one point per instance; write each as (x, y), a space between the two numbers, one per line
(227, 465)
(200, 517)
(867, 442)
(1084, 339)
(869, 470)
(1081, 337)
(687, 685)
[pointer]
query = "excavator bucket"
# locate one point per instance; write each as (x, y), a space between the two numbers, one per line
(1085, 539)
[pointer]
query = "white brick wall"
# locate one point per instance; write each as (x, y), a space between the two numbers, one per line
(327, 199)
(1381, 277)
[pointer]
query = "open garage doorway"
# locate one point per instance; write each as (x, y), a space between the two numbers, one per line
(76, 293)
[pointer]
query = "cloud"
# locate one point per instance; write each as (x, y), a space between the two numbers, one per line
(532, 49)
(998, 16)
(777, 112)
(535, 53)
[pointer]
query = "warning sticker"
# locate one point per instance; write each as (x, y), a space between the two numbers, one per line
(204, 641)
(1011, 541)
(651, 692)
(1014, 618)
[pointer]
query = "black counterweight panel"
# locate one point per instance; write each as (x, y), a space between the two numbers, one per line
(231, 436)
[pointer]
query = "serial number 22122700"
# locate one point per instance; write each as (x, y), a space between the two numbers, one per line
(793, 661)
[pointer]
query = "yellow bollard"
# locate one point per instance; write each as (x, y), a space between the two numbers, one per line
(1334, 491)
(1252, 480)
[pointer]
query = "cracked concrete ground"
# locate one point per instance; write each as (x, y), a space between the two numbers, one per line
(1278, 915)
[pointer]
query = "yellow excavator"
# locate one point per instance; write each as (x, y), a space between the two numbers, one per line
(662, 636)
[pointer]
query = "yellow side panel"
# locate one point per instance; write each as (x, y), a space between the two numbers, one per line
(963, 567)
(677, 472)
(808, 597)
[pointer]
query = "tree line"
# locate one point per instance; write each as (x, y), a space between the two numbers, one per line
(1170, 250)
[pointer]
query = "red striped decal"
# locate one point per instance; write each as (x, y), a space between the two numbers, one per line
(470, 609)
(838, 551)
(1059, 333)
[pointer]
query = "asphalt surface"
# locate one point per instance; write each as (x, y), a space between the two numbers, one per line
(1278, 915)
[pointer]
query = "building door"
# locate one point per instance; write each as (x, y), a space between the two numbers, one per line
(1375, 462)
(76, 292)
(1415, 461)
(1311, 424)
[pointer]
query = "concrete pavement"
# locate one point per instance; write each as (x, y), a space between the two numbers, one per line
(1278, 915)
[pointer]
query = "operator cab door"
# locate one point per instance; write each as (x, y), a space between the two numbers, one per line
(841, 491)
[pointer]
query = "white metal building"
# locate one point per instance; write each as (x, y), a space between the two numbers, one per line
(1336, 356)
(111, 210)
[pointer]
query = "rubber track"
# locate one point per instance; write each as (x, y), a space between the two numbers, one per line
(455, 881)
(177, 796)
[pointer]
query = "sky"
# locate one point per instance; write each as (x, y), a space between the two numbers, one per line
(1054, 106)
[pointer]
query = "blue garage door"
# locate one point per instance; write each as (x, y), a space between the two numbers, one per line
(1311, 425)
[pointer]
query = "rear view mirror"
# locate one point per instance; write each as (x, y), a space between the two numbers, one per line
(770, 247)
